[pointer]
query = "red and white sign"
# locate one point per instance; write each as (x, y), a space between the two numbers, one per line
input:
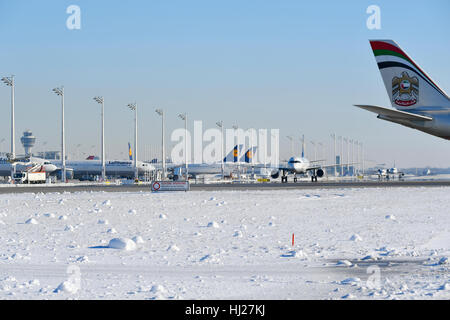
(170, 186)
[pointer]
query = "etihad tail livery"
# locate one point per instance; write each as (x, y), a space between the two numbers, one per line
(419, 101)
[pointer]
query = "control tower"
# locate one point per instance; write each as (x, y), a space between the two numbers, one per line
(28, 141)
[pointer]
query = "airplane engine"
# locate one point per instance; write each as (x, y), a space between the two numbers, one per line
(320, 173)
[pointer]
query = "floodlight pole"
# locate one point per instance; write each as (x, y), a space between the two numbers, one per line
(9, 81)
(184, 117)
(133, 107)
(163, 149)
(60, 92)
(220, 125)
(101, 101)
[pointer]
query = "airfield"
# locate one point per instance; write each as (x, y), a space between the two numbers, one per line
(99, 187)
(281, 241)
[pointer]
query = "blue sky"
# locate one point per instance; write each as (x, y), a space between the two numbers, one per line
(294, 65)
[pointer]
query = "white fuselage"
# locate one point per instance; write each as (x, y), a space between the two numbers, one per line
(6, 167)
(298, 165)
(118, 168)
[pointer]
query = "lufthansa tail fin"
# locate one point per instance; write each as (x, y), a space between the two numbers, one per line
(130, 154)
(233, 155)
(248, 156)
(407, 85)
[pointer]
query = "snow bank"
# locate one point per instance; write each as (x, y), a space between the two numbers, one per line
(122, 243)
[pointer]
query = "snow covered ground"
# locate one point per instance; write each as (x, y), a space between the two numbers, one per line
(380, 243)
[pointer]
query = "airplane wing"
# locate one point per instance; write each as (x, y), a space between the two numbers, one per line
(395, 114)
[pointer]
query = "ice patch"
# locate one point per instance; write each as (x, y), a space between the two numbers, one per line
(122, 243)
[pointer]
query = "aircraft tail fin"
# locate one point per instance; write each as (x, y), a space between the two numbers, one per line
(247, 157)
(130, 153)
(233, 155)
(407, 85)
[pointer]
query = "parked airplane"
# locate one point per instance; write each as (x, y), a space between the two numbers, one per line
(21, 164)
(419, 101)
(117, 168)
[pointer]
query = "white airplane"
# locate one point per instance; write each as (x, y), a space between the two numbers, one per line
(21, 164)
(301, 166)
(419, 101)
(85, 169)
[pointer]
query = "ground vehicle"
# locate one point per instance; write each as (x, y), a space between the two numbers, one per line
(29, 177)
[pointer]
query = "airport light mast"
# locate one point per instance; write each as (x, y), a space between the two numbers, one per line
(133, 107)
(183, 116)
(333, 135)
(101, 101)
(348, 155)
(163, 149)
(220, 125)
(362, 157)
(235, 127)
(60, 92)
(9, 81)
(342, 155)
(355, 143)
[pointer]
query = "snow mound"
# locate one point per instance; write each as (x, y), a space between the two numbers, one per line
(173, 248)
(132, 211)
(345, 263)
(351, 281)
(237, 234)
(112, 231)
(82, 259)
(138, 239)
(444, 260)
(69, 228)
(158, 289)
(31, 221)
(355, 238)
(213, 224)
(445, 287)
(106, 202)
(49, 215)
(103, 221)
(122, 243)
(2, 223)
(162, 216)
(62, 218)
(390, 217)
(66, 287)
